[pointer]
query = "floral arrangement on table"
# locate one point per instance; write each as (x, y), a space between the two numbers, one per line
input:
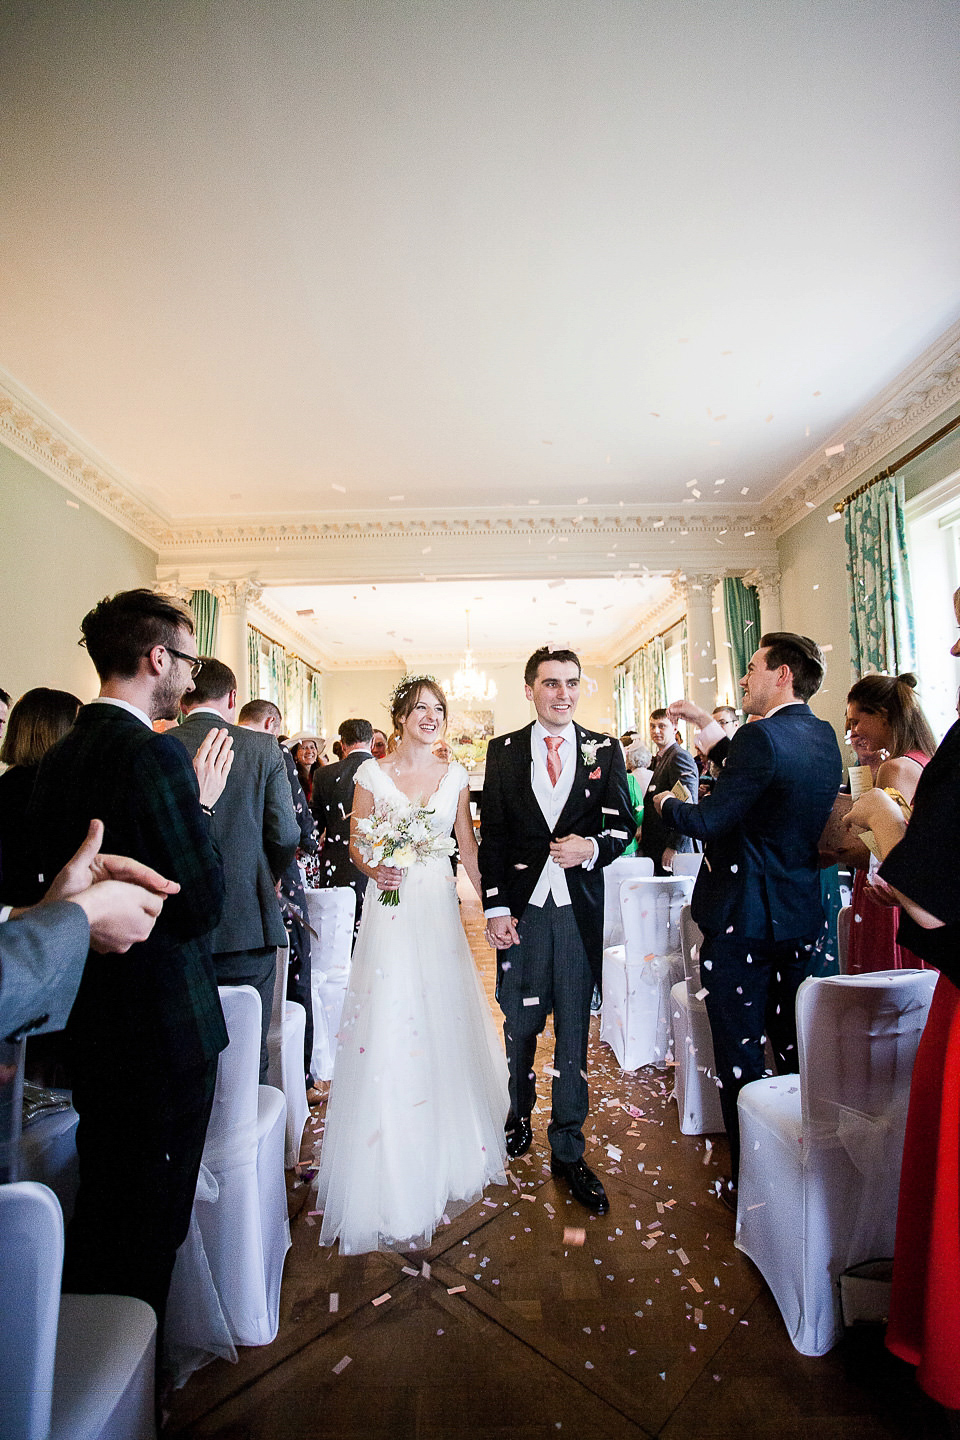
(400, 836)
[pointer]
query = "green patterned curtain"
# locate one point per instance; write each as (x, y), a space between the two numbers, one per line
(741, 612)
(206, 614)
(277, 679)
(295, 686)
(253, 662)
(881, 611)
(313, 705)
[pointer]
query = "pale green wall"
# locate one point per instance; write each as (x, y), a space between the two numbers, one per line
(56, 563)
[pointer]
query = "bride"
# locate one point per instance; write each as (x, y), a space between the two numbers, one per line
(414, 1128)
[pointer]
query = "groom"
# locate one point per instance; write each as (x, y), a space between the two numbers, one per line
(555, 810)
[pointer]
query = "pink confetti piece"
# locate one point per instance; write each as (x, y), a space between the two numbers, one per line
(694, 1286)
(382, 1299)
(456, 1289)
(573, 1235)
(334, 1301)
(341, 1365)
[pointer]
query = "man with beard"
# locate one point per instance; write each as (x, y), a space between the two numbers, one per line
(146, 1029)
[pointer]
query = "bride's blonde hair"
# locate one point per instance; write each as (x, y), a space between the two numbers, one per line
(407, 694)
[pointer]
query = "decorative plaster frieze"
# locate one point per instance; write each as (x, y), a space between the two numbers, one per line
(915, 400)
(236, 595)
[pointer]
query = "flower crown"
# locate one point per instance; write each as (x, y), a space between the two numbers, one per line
(407, 684)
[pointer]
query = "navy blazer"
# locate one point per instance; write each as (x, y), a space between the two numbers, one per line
(760, 826)
(515, 838)
(672, 764)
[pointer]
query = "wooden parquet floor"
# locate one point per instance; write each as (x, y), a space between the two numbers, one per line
(654, 1326)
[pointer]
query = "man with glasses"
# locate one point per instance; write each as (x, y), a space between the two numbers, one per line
(146, 1029)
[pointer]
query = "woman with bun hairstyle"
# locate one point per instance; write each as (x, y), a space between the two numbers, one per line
(890, 733)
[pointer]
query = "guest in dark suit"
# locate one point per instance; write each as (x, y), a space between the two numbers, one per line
(757, 896)
(333, 788)
(263, 715)
(556, 809)
(146, 1029)
(658, 840)
(256, 833)
(98, 902)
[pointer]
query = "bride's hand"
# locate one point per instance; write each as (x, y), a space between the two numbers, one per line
(387, 877)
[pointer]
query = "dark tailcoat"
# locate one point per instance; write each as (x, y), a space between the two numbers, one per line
(656, 835)
(515, 838)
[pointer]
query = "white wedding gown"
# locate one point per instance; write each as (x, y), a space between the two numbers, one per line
(418, 1100)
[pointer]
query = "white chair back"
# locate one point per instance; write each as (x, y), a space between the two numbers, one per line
(31, 1243)
(626, 867)
(691, 938)
(234, 1115)
(684, 864)
(650, 908)
(285, 1068)
(331, 913)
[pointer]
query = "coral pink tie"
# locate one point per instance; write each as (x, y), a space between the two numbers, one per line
(553, 759)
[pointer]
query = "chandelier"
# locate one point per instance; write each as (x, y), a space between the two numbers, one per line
(469, 685)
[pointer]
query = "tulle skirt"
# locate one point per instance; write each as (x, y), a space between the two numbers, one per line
(414, 1127)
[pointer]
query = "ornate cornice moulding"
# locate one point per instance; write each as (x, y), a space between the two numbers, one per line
(915, 400)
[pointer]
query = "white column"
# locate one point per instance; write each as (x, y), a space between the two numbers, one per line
(234, 597)
(767, 585)
(701, 682)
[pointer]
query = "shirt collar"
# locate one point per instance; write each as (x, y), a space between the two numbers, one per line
(567, 733)
(123, 705)
(785, 706)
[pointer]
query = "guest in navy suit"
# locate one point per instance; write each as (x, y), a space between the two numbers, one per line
(556, 809)
(757, 896)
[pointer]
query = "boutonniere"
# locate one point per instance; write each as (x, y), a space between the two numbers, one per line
(589, 750)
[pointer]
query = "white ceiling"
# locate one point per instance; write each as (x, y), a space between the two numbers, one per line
(303, 259)
(424, 624)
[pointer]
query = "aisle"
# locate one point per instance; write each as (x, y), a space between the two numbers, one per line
(654, 1325)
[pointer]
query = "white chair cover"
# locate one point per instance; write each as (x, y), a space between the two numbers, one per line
(78, 1367)
(638, 975)
(285, 1071)
(695, 1087)
(844, 921)
(331, 913)
(617, 870)
(244, 1233)
(688, 864)
(821, 1152)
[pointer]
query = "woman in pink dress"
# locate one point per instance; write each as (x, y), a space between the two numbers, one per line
(889, 732)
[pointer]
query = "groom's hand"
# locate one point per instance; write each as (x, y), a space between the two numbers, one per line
(570, 851)
(502, 932)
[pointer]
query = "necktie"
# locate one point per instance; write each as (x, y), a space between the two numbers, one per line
(553, 759)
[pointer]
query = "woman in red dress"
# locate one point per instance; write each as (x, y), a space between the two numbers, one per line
(921, 864)
(889, 732)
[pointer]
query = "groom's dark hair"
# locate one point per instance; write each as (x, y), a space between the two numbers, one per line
(547, 652)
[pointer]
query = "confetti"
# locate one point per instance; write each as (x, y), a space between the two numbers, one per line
(456, 1289)
(574, 1236)
(334, 1302)
(341, 1365)
(382, 1299)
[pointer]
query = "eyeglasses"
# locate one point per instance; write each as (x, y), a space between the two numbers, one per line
(195, 665)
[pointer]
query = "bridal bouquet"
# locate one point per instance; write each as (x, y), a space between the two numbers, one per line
(400, 836)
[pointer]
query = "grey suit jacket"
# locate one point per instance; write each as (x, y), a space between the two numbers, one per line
(256, 831)
(42, 956)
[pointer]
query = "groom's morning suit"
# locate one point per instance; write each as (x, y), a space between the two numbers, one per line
(146, 1028)
(757, 896)
(522, 812)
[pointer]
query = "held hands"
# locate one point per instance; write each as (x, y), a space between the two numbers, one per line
(502, 932)
(212, 764)
(873, 808)
(570, 850)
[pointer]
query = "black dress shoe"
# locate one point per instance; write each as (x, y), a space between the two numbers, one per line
(584, 1185)
(519, 1135)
